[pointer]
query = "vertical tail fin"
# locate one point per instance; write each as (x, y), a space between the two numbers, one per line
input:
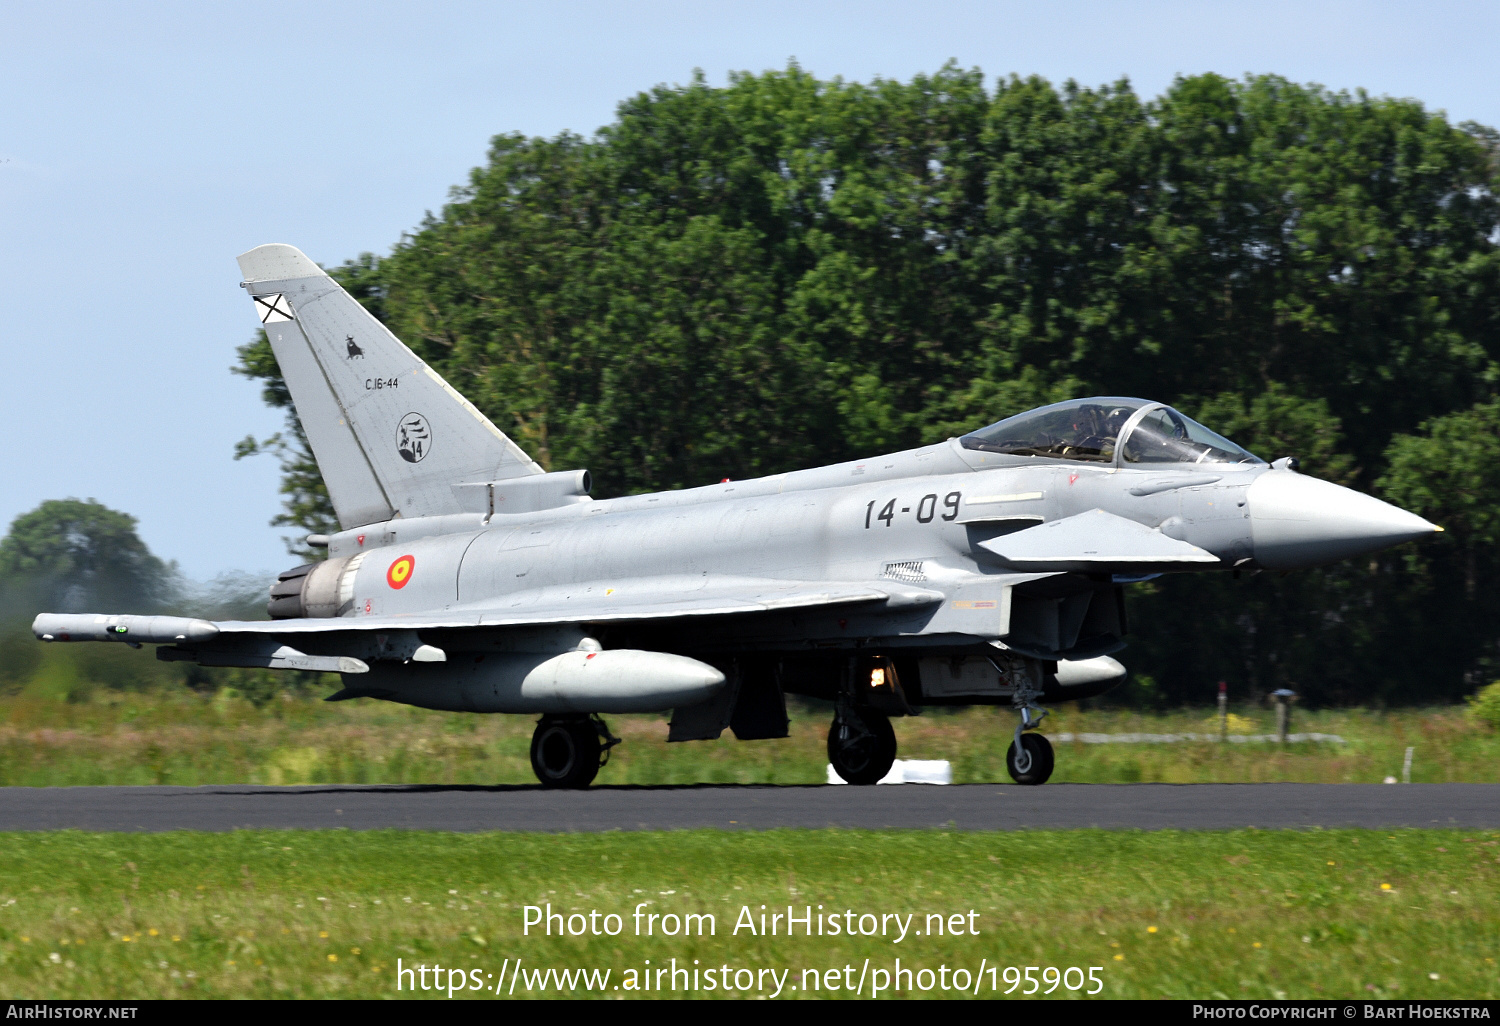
(391, 437)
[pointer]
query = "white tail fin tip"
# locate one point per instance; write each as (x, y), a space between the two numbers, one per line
(277, 261)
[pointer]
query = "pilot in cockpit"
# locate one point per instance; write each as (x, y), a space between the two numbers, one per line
(1095, 430)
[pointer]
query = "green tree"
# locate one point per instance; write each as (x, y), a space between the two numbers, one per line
(1275, 422)
(71, 554)
(1449, 472)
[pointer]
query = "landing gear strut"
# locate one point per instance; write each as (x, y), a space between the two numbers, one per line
(1029, 758)
(861, 744)
(569, 751)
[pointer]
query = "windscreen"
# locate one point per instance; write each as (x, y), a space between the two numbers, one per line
(1166, 436)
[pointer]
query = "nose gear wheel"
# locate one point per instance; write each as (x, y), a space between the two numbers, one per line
(1029, 759)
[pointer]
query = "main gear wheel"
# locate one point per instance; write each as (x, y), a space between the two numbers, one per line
(861, 744)
(565, 752)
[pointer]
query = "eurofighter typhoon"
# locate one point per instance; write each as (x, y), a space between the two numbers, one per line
(988, 569)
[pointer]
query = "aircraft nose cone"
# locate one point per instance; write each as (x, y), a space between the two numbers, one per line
(1298, 521)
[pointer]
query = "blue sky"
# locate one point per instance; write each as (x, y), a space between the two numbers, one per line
(143, 146)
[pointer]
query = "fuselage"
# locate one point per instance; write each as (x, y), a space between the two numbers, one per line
(857, 521)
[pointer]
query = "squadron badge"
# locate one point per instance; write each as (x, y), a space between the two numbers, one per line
(413, 437)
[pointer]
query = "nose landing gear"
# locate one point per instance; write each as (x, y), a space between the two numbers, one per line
(861, 744)
(569, 751)
(1029, 758)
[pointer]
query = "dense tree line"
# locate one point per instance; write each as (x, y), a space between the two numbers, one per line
(786, 271)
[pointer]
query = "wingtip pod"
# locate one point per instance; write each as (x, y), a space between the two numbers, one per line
(276, 261)
(151, 630)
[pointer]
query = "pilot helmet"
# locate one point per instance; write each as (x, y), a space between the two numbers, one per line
(1115, 419)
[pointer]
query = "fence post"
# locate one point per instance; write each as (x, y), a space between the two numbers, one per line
(1284, 699)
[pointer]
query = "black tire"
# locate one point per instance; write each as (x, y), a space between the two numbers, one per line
(1040, 768)
(565, 753)
(864, 752)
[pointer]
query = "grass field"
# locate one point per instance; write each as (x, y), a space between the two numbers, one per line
(271, 913)
(333, 914)
(182, 738)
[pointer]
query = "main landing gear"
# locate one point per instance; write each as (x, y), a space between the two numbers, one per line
(861, 744)
(569, 751)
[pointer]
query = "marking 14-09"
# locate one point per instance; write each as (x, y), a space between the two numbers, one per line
(927, 509)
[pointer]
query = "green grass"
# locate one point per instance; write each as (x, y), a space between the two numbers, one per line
(328, 914)
(178, 737)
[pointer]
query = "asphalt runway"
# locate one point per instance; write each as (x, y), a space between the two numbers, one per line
(742, 807)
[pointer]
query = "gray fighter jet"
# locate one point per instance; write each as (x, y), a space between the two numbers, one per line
(988, 569)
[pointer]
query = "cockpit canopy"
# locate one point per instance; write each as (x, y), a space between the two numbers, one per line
(1106, 430)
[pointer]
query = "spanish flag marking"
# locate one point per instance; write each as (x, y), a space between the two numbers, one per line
(400, 571)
